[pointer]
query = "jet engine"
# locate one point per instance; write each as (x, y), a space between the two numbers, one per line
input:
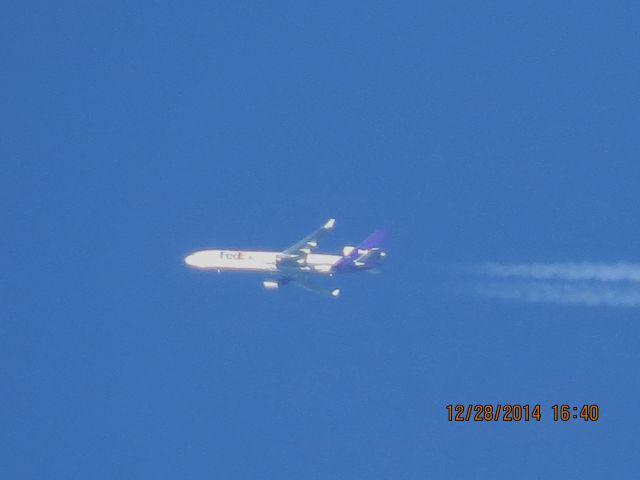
(273, 284)
(346, 251)
(270, 284)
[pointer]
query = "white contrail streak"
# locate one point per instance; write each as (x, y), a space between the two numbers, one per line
(582, 294)
(603, 272)
(588, 283)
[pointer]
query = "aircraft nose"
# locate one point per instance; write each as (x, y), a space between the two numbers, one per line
(190, 259)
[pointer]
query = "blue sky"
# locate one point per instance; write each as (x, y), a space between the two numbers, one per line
(473, 132)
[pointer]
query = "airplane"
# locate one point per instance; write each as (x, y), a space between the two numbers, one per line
(296, 264)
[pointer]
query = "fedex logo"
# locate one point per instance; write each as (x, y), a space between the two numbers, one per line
(232, 255)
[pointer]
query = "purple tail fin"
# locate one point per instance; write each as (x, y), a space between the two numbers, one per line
(347, 263)
(372, 241)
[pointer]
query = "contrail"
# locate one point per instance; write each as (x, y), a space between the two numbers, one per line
(604, 272)
(588, 294)
(587, 283)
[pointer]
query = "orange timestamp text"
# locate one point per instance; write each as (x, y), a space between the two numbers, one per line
(517, 412)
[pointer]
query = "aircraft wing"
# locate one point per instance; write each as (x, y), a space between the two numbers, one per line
(310, 241)
(303, 282)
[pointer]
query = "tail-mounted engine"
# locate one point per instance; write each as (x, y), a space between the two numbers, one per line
(347, 250)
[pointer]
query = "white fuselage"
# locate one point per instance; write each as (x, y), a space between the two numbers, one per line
(258, 261)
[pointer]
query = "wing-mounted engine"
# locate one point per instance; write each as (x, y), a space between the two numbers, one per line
(274, 284)
(271, 284)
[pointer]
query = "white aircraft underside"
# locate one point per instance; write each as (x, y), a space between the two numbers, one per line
(295, 264)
